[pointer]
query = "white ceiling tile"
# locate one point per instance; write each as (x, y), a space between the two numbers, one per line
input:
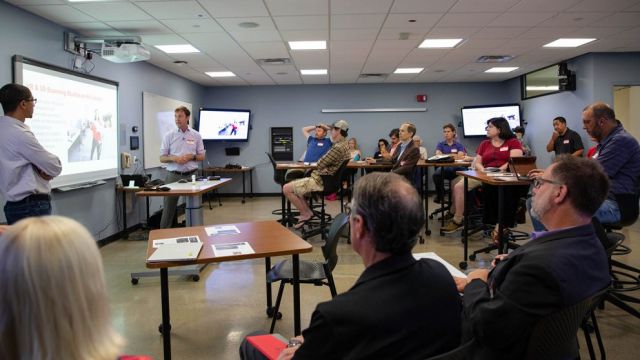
(415, 6)
(420, 21)
(574, 19)
(314, 22)
(399, 78)
(298, 7)
(59, 13)
(281, 70)
(621, 19)
(345, 52)
(399, 34)
(118, 11)
(354, 34)
(367, 21)
(193, 25)
(315, 79)
(468, 19)
(425, 57)
(265, 23)
(452, 32)
(305, 35)
(547, 5)
(596, 32)
(316, 59)
(629, 34)
(360, 6)
(599, 5)
(143, 27)
(165, 10)
(551, 33)
(253, 36)
(164, 39)
(98, 33)
(235, 8)
(87, 26)
(482, 44)
(500, 32)
(521, 19)
(483, 6)
(264, 50)
(200, 60)
(635, 7)
(37, 2)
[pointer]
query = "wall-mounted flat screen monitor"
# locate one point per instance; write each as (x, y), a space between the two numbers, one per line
(224, 124)
(474, 118)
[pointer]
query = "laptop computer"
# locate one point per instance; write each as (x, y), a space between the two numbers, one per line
(521, 166)
(139, 180)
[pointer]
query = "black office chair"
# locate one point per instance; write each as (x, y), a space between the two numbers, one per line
(554, 336)
(285, 209)
(311, 272)
(331, 184)
(462, 352)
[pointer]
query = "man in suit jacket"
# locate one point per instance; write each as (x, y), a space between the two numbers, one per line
(407, 154)
(399, 308)
(556, 269)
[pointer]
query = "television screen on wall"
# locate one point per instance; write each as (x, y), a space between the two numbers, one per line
(474, 118)
(224, 124)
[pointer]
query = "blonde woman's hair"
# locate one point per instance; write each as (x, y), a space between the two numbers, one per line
(355, 143)
(53, 297)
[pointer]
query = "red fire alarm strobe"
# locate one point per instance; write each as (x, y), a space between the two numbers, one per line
(421, 98)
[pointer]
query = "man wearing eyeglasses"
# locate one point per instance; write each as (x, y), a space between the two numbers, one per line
(25, 166)
(556, 269)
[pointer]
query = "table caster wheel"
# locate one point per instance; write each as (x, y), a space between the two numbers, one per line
(270, 313)
(243, 201)
(195, 278)
(463, 265)
(428, 232)
(472, 257)
(134, 281)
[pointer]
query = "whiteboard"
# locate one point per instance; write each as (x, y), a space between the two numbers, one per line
(158, 120)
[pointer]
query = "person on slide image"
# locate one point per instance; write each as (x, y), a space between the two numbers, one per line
(96, 134)
(234, 128)
(26, 166)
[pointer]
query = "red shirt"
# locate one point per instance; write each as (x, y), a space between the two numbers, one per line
(497, 156)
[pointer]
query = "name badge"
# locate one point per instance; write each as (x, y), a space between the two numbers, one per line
(401, 163)
(504, 148)
(190, 141)
(320, 144)
(595, 156)
(565, 142)
(454, 151)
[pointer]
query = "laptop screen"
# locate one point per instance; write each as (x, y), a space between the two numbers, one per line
(522, 165)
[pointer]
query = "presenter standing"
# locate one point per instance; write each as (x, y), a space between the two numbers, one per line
(26, 166)
(181, 150)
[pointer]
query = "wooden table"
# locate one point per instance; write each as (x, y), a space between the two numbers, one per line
(424, 165)
(489, 180)
(267, 238)
(243, 170)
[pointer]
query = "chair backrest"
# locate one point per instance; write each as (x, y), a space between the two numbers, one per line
(278, 176)
(554, 336)
(339, 225)
(462, 352)
(629, 208)
(332, 183)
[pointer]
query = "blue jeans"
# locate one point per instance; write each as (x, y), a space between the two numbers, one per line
(16, 211)
(607, 213)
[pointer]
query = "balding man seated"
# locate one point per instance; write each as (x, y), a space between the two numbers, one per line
(556, 269)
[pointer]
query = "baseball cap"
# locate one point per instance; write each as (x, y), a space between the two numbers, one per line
(342, 125)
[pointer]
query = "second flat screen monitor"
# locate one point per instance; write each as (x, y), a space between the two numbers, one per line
(224, 124)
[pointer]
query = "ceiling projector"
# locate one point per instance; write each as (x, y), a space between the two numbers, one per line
(124, 52)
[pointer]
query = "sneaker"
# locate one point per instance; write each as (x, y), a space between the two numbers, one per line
(447, 216)
(332, 197)
(451, 227)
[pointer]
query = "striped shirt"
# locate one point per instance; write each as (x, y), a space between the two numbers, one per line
(331, 161)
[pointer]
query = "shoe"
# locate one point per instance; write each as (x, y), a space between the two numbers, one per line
(451, 227)
(447, 216)
(505, 235)
(332, 197)
(301, 223)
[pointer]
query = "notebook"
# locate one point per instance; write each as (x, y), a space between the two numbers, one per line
(270, 345)
(176, 252)
(521, 166)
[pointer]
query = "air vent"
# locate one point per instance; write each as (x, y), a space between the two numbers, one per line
(494, 58)
(274, 61)
(373, 76)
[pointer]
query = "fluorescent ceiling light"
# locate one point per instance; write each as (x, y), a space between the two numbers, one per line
(308, 45)
(503, 69)
(408, 70)
(439, 43)
(177, 49)
(569, 42)
(543, 88)
(220, 74)
(314, 72)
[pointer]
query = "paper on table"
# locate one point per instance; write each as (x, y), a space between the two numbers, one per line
(431, 255)
(240, 248)
(222, 230)
(176, 252)
(178, 240)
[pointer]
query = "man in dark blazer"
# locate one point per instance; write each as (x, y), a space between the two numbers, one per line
(399, 308)
(407, 154)
(556, 269)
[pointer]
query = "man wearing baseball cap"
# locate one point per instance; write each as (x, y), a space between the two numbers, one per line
(328, 164)
(317, 145)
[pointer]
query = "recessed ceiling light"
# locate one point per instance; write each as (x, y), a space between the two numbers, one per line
(314, 72)
(408, 70)
(177, 49)
(308, 45)
(439, 43)
(566, 42)
(503, 69)
(220, 74)
(248, 25)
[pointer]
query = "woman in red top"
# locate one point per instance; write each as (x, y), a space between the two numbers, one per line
(493, 152)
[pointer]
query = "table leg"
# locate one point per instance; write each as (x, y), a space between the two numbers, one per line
(296, 295)
(251, 181)
(193, 211)
(124, 215)
(425, 198)
(502, 245)
(466, 219)
(442, 199)
(267, 268)
(243, 189)
(166, 323)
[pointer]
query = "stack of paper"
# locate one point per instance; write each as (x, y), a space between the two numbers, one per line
(176, 252)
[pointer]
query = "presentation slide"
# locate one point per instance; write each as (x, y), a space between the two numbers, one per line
(217, 124)
(474, 120)
(76, 119)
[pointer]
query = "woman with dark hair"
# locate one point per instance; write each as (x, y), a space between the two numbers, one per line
(492, 153)
(383, 145)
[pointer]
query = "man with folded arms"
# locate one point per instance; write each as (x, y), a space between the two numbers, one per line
(317, 145)
(556, 269)
(26, 166)
(399, 308)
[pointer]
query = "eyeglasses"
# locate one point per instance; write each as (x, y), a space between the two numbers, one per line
(32, 99)
(539, 181)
